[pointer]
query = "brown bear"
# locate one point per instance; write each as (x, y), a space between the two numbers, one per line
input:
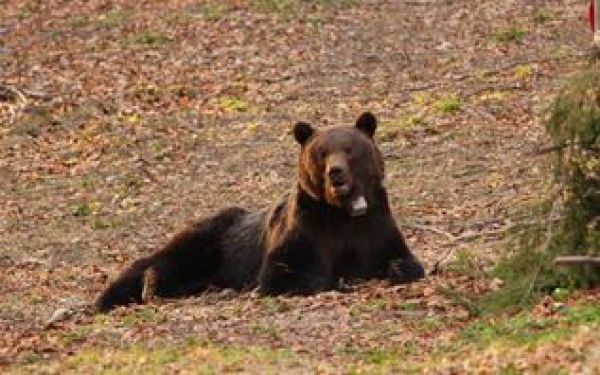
(335, 224)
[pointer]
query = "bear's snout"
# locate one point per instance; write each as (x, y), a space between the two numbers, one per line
(339, 180)
(337, 176)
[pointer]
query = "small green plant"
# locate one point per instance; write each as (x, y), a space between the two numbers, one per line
(420, 98)
(27, 10)
(55, 35)
(78, 21)
(145, 315)
(448, 104)
(232, 104)
(523, 72)
(391, 130)
(279, 6)
(466, 263)
(513, 34)
(274, 305)
(97, 223)
(151, 38)
(376, 304)
(76, 334)
(379, 357)
(113, 18)
(542, 16)
(82, 209)
(88, 181)
(430, 324)
(36, 299)
(130, 185)
(209, 11)
(270, 331)
(288, 6)
(410, 306)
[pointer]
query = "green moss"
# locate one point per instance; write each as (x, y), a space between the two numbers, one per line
(513, 34)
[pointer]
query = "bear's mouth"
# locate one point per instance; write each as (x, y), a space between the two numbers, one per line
(354, 202)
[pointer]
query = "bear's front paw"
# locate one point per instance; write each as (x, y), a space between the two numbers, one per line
(402, 271)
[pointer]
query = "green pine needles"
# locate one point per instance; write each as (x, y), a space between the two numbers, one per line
(568, 222)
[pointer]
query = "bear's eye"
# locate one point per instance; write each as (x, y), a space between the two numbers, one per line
(348, 150)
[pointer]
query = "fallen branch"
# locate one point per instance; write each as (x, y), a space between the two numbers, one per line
(21, 93)
(10, 92)
(422, 227)
(570, 260)
(590, 146)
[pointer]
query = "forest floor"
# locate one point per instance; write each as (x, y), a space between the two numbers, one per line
(123, 121)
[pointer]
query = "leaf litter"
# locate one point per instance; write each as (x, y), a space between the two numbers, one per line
(121, 122)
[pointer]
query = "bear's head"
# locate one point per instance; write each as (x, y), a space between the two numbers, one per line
(341, 165)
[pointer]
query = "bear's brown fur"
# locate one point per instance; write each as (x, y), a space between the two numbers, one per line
(336, 224)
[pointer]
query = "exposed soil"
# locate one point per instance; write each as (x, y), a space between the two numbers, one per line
(122, 121)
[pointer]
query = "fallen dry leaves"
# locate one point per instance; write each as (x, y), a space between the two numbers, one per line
(122, 121)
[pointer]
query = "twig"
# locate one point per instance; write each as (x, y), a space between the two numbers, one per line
(22, 94)
(569, 260)
(36, 94)
(471, 236)
(448, 235)
(586, 145)
(16, 92)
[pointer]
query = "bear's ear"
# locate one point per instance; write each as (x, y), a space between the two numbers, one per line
(367, 123)
(302, 132)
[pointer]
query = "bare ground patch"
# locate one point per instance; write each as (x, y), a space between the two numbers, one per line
(121, 123)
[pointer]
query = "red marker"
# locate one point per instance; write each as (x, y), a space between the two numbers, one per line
(592, 15)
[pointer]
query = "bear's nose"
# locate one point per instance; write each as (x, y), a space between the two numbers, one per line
(336, 175)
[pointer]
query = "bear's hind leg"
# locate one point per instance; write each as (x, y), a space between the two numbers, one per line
(183, 267)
